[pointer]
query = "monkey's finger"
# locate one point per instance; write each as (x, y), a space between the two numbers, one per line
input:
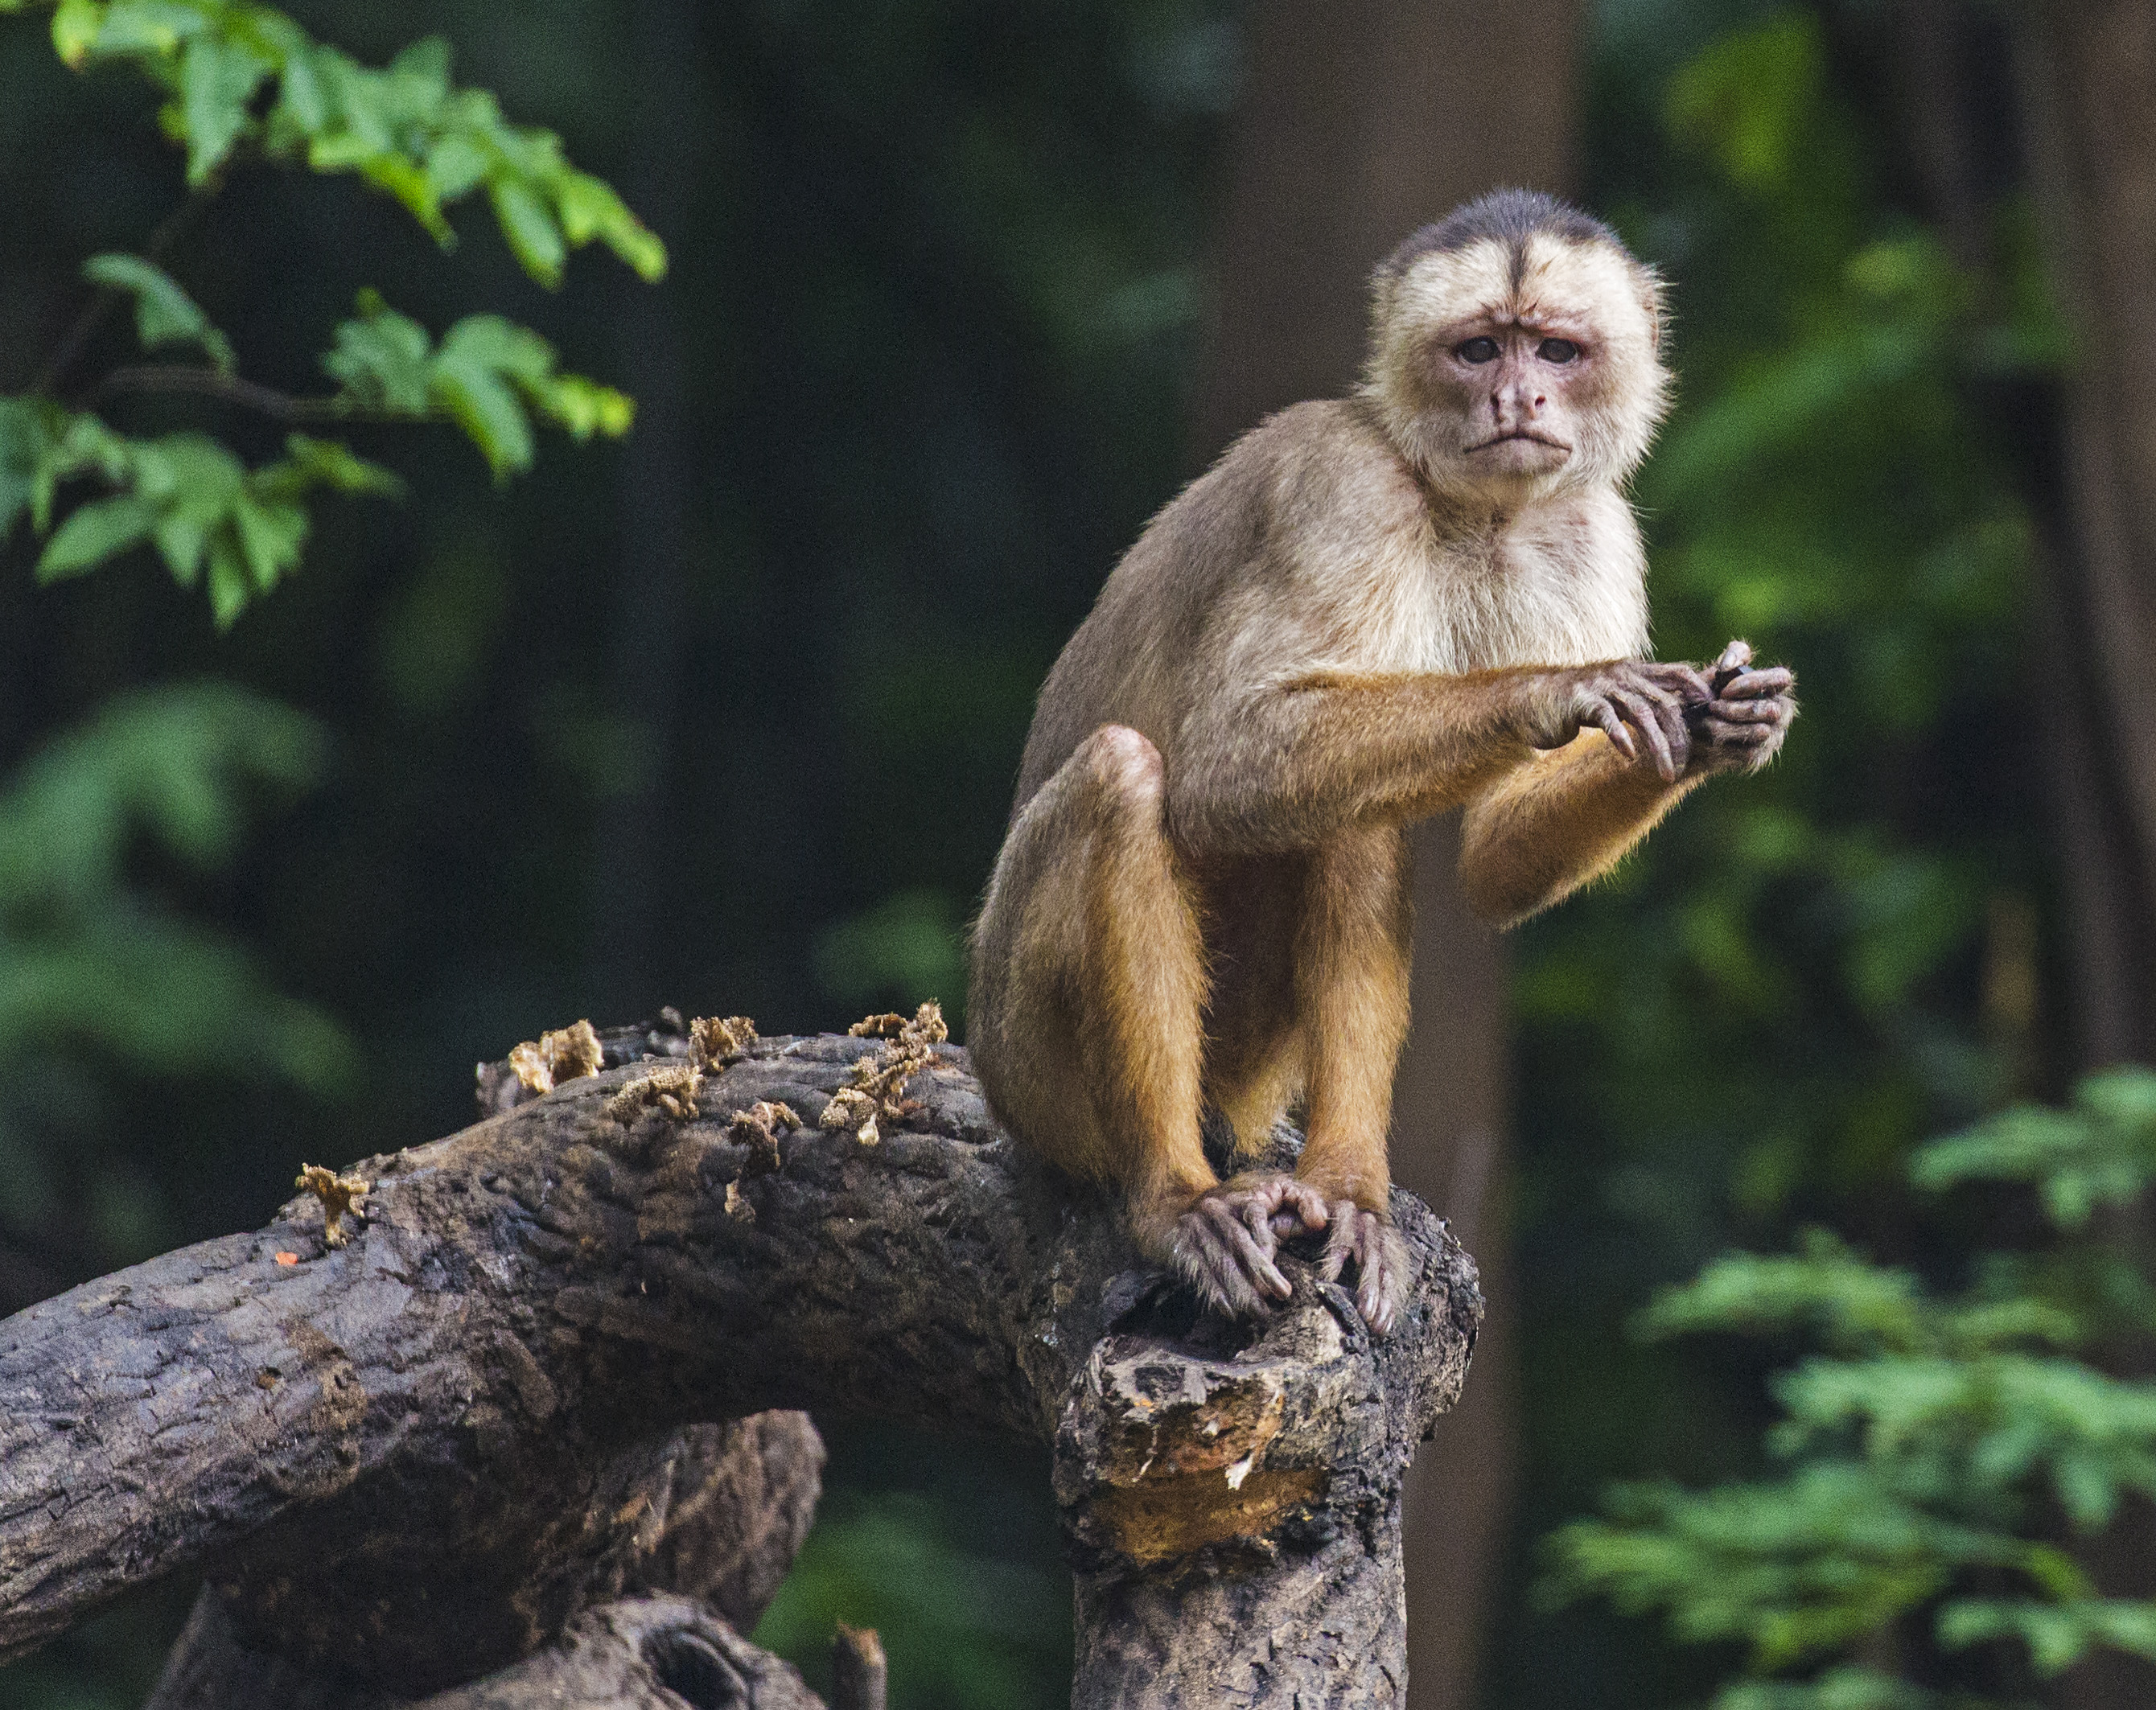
(1677, 732)
(1640, 713)
(1683, 681)
(1307, 1204)
(1257, 1262)
(1249, 1246)
(1771, 712)
(1341, 1248)
(1375, 1288)
(1759, 685)
(1612, 725)
(1201, 1257)
(1734, 657)
(1250, 1249)
(1725, 735)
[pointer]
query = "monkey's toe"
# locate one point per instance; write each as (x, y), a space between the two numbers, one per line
(1380, 1257)
(1225, 1244)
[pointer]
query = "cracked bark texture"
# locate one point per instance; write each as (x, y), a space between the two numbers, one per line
(402, 1463)
(713, 1515)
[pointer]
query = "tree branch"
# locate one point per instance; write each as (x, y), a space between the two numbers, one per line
(281, 407)
(713, 1516)
(381, 1439)
(104, 299)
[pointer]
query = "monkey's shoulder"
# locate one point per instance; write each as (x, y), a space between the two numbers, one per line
(1330, 454)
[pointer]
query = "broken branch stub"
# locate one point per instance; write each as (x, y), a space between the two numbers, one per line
(339, 1441)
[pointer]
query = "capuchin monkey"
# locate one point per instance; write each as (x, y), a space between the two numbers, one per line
(1430, 595)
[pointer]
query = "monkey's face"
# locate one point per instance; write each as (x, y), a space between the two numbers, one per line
(1518, 370)
(1513, 390)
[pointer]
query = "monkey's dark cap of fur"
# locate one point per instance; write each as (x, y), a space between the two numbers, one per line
(1506, 217)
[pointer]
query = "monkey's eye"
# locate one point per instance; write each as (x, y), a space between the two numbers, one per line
(1477, 351)
(1557, 350)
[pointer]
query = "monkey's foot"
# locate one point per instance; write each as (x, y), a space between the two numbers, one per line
(1382, 1266)
(1224, 1245)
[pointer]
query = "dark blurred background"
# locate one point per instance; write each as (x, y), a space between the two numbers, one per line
(727, 716)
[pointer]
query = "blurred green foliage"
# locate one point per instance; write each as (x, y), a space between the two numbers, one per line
(409, 131)
(962, 1628)
(85, 956)
(1938, 1451)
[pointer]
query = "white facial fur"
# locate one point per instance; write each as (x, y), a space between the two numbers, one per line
(1515, 426)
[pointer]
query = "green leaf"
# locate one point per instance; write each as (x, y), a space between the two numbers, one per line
(532, 234)
(330, 464)
(489, 411)
(75, 26)
(409, 182)
(90, 960)
(489, 377)
(28, 442)
(271, 534)
(490, 342)
(1830, 1289)
(164, 313)
(217, 80)
(589, 209)
(423, 70)
(98, 531)
(1744, 100)
(383, 360)
(150, 28)
(584, 407)
(457, 166)
(2057, 1636)
(302, 97)
(230, 586)
(2100, 1150)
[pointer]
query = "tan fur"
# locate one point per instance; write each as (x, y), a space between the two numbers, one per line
(1348, 626)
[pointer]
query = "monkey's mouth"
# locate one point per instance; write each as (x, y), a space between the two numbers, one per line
(1515, 436)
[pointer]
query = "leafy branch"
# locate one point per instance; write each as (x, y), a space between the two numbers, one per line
(243, 81)
(1933, 1451)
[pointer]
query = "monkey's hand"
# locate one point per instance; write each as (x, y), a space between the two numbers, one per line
(1380, 1256)
(1741, 728)
(1638, 704)
(1224, 1245)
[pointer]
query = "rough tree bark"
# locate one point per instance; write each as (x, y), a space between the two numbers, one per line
(684, 1540)
(412, 1463)
(1362, 120)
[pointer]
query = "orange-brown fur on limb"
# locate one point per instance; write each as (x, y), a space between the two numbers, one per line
(1430, 595)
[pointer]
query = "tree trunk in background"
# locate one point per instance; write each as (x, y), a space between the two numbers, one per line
(648, 603)
(2089, 85)
(1361, 122)
(2088, 80)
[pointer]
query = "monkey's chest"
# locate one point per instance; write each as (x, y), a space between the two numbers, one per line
(1495, 607)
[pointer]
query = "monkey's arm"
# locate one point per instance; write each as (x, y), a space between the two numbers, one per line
(1286, 766)
(1537, 833)
(1543, 829)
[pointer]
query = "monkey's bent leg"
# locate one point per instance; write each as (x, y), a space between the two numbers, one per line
(1352, 953)
(1089, 988)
